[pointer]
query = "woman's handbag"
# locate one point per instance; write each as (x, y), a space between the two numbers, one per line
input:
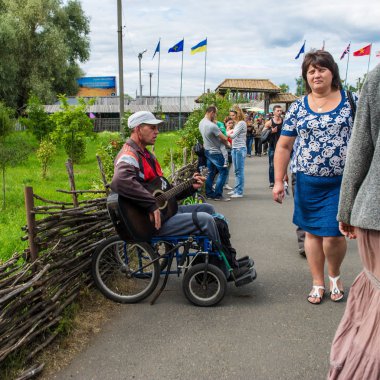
(265, 134)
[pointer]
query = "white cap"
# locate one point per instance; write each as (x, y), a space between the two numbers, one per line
(142, 117)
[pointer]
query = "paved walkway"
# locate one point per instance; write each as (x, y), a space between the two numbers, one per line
(265, 330)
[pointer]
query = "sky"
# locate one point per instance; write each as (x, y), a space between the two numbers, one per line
(253, 39)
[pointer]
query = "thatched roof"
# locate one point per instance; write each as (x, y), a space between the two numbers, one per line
(283, 98)
(248, 85)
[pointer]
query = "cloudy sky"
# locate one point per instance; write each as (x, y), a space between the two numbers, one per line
(246, 39)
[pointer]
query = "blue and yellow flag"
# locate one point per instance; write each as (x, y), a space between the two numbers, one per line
(177, 47)
(202, 46)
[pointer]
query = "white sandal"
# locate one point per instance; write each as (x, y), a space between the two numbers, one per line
(315, 294)
(335, 290)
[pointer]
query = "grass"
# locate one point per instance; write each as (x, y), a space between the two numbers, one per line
(87, 176)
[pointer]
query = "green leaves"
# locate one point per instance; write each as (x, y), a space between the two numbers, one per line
(42, 43)
(72, 125)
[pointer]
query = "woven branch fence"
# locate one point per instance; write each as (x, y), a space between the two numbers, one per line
(37, 286)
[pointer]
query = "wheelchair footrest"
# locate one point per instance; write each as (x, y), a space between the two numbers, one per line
(246, 278)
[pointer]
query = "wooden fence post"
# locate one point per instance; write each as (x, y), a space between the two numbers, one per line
(102, 174)
(70, 172)
(30, 221)
(172, 165)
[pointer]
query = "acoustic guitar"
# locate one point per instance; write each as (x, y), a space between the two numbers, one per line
(132, 222)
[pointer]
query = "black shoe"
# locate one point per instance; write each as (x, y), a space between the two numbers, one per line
(245, 261)
(238, 272)
(302, 252)
(271, 185)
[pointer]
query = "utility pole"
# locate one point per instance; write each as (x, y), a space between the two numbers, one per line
(150, 84)
(121, 71)
(140, 55)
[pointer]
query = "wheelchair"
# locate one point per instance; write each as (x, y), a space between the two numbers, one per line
(128, 271)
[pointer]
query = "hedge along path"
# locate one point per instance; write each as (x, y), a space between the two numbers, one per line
(34, 292)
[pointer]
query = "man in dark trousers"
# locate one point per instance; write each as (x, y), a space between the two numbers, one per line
(275, 123)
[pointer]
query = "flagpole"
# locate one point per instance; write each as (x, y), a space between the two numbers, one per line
(204, 81)
(304, 50)
(158, 74)
(348, 60)
(180, 91)
(369, 58)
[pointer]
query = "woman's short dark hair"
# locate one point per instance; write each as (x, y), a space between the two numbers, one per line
(321, 58)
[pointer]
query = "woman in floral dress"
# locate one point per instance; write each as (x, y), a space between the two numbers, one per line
(322, 122)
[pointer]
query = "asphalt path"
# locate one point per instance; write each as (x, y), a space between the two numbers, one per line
(264, 330)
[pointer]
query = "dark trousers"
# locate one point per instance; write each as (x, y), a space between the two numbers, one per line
(258, 145)
(299, 231)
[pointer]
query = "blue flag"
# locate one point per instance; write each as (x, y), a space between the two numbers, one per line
(157, 49)
(302, 51)
(177, 47)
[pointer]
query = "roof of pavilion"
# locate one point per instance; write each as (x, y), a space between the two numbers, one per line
(248, 85)
(283, 98)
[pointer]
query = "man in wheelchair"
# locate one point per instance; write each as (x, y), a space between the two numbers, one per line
(136, 169)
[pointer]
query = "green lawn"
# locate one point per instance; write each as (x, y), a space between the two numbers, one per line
(87, 176)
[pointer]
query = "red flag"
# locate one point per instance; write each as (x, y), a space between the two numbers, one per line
(363, 51)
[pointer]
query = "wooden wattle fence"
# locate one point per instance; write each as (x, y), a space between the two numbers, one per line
(37, 285)
(34, 292)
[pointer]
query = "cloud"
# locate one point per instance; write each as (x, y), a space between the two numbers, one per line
(246, 39)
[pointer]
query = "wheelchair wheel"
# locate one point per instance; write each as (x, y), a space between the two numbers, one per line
(117, 274)
(204, 288)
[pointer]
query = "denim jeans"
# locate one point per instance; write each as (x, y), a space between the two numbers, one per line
(215, 162)
(249, 144)
(238, 158)
(271, 164)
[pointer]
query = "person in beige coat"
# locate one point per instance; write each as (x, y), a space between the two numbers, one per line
(355, 351)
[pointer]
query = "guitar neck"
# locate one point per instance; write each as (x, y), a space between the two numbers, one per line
(175, 190)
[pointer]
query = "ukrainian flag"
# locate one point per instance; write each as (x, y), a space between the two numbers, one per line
(202, 46)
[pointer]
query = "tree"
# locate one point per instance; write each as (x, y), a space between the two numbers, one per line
(284, 87)
(42, 43)
(190, 133)
(38, 121)
(300, 86)
(72, 125)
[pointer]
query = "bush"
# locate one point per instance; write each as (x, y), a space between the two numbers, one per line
(6, 121)
(14, 150)
(38, 121)
(45, 155)
(108, 150)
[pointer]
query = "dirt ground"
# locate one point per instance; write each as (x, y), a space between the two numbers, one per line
(93, 311)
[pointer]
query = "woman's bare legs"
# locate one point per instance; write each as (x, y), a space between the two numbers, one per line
(319, 248)
(335, 249)
(316, 260)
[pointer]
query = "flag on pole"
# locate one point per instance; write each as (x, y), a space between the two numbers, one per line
(157, 49)
(346, 51)
(366, 50)
(302, 51)
(202, 46)
(177, 47)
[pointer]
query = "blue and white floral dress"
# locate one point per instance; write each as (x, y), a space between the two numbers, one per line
(319, 159)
